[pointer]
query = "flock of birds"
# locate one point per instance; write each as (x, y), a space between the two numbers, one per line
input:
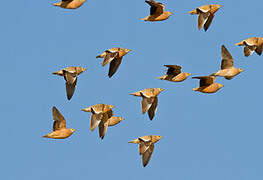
(102, 114)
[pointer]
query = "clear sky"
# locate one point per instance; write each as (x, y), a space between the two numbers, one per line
(205, 137)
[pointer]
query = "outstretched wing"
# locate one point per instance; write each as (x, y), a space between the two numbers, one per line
(156, 7)
(153, 108)
(205, 80)
(71, 81)
(146, 156)
(202, 19)
(59, 120)
(173, 70)
(208, 21)
(114, 65)
(227, 60)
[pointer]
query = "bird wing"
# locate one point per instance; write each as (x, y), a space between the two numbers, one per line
(208, 21)
(173, 70)
(144, 144)
(95, 119)
(146, 103)
(157, 8)
(103, 126)
(259, 49)
(71, 81)
(205, 80)
(110, 56)
(115, 120)
(114, 65)
(59, 120)
(153, 108)
(146, 156)
(202, 19)
(227, 60)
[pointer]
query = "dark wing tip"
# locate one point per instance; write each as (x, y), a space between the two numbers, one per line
(110, 74)
(69, 96)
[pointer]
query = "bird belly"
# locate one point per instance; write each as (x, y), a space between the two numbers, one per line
(208, 89)
(72, 5)
(59, 134)
(179, 78)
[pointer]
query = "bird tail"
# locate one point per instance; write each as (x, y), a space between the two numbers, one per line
(144, 19)
(239, 43)
(134, 141)
(193, 12)
(195, 89)
(57, 4)
(136, 94)
(99, 56)
(162, 77)
(46, 136)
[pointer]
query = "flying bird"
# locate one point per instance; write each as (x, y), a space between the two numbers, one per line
(206, 15)
(70, 75)
(114, 57)
(207, 84)
(252, 44)
(102, 116)
(157, 12)
(70, 4)
(228, 71)
(59, 126)
(174, 74)
(146, 146)
(149, 100)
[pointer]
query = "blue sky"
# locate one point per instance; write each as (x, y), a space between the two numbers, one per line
(216, 136)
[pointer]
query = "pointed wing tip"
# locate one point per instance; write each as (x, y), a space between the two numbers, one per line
(69, 97)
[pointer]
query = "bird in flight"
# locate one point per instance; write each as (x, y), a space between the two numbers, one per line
(114, 57)
(146, 146)
(59, 126)
(207, 84)
(102, 116)
(206, 15)
(70, 4)
(252, 44)
(157, 12)
(149, 100)
(70, 75)
(228, 71)
(174, 74)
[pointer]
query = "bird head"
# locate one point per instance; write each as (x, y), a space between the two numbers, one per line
(187, 74)
(160, 89)
(220, 85)
(80, 70)
(156, 138)
(215, 7)
(240, 70)
(111, 106)
(127, 50)
(170, 13)
(72, 130)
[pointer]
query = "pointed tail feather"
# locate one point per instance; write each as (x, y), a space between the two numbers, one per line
(57, 4)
